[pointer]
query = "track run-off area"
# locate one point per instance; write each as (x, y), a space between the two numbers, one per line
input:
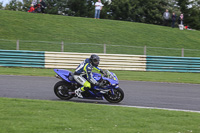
(168, 96)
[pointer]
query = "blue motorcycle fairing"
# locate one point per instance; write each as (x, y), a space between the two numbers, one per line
(114, 76)
(64, 74)
(98, 76)
(113, 82)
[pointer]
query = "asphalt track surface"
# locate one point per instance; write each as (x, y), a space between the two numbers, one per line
(137, 93)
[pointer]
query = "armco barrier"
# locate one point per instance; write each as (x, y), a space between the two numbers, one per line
(173, 64)
(66, 60)
(108, 61)
(21, 58)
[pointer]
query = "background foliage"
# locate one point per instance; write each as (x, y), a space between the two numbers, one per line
(145, 11)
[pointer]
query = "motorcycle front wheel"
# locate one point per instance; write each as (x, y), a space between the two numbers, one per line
(61, 90)
(115, 97)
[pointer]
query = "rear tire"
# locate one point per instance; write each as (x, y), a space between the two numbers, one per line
(61, 90)
(117, 97)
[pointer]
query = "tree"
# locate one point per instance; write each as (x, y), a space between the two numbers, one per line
(121, 9)
(14, 5)
(191, 12)
(26, 5)
(1, 5)
(56, 6)
(86, 8)
(150, 12)
(146, 11)
(106, 12)
(82, 8)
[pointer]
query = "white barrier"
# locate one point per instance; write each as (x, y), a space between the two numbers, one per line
(108, 61)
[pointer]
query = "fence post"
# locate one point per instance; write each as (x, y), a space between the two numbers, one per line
(145, 50)
(17, 46)
(182, 53)
(62, 46)
(104, 48)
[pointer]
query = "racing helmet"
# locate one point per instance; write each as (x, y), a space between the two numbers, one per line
(94, 59)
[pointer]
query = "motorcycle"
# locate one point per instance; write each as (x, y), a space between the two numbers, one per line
(108, 87)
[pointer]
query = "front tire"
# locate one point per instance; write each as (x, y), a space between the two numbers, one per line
(61, 90)
(117, 97)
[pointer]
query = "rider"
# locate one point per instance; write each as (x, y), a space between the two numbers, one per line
(85, 68)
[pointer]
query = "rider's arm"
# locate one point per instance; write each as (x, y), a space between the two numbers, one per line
(99, 70)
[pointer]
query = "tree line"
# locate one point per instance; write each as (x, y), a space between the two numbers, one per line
(144, 11)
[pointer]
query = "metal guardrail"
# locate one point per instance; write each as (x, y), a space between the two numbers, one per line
(15, 58)
(108, 61)
(18, 58)
(173, 64)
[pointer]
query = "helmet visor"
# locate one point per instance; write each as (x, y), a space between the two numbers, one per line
(96, 61)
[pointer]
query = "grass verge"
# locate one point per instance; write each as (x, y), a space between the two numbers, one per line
(172, 77)
(38, 116)
(53, 29)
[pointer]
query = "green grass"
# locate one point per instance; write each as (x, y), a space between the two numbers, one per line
(54, 29)
(38, 116)
(172, 77)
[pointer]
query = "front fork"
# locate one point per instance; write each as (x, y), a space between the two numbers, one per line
(112, 92)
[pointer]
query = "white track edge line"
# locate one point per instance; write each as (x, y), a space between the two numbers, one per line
(142, 107)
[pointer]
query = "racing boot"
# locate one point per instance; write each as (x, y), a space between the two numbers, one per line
(78, 92)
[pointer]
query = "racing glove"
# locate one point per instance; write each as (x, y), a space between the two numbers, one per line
(103, 72)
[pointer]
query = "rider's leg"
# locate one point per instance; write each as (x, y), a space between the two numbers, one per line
(85, 85)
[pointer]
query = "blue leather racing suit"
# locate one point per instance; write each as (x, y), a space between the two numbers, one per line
(85, 68)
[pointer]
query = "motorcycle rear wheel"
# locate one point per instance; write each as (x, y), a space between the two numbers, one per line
(61, 90)
(117, 97)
